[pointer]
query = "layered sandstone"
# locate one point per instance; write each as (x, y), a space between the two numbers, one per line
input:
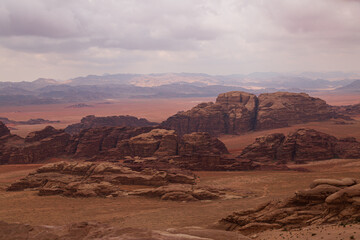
(111, 121)
(240, 112)
(326, 201)
(301, 146)
(36, 147)
(232, 113)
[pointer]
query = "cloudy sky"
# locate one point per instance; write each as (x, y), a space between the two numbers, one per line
(62, 39)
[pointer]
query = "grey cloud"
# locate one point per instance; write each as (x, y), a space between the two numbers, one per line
(144, 25)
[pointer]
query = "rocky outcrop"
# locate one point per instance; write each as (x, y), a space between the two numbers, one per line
(301, 146)
(157, 142)
(112, 180)
(240, 112)
(326, 201)
(37, 147)
(232, 113)
(348, 110)
(78, 179)
(4, 131)
(111, 121)
(100, 231)
(95, 141)
(283, 109)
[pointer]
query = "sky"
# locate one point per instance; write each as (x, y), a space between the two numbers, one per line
(62, 39)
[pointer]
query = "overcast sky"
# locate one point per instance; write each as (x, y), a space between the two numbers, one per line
(62, 39)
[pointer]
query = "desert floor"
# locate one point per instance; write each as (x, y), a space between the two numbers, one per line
(247, 189)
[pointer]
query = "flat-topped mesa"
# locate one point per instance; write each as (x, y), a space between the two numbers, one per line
(92, 121)
(241, 112)
(4, 131)
(232, 113)
(283, 109)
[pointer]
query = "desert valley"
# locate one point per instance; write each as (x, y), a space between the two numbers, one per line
(179, 120)
(270, 166)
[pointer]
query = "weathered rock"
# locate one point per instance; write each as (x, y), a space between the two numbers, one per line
(42, 134)
(283, 109)
(328, 201)
(111, 121)
(37, 147)
(301, 146)
(96, 141)
(240, 112)
(233, 113)
(100, 231)
(4, 131)
(158, 142)
(179, 192)
(94, 179)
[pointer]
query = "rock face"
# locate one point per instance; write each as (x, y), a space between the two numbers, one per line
(326, 201)
(4, 131)
(240, 112)
(112, 121)
(301, 146)
(37, 147)
(95, 141)
(233, 113)
(283, 109)
(99, 231)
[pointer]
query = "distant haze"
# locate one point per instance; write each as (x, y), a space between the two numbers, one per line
(63, 39)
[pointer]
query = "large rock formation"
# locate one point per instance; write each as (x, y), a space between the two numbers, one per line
(283, 109)
(301, 146)
(232, 113)
(4, 131)
(327, 201)
(161, 148)
(348, 109)
(100, 231)
(37, 147)
(111, 121)
(108, 179)
(240, 112)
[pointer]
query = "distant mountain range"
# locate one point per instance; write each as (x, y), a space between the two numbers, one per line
(169, 85)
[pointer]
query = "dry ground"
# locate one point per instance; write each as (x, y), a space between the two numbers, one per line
(253, 188)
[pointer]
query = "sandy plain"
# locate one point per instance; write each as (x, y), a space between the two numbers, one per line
(248, 188)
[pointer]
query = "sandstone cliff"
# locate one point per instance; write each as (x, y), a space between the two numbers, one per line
(301, 146)
(240, 112)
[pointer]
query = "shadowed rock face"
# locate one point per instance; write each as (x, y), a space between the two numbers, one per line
(37, 147)
(301, 146)
(4, 131)
(326, 201)
(240, 112)
(232, 113)
(111, 121)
